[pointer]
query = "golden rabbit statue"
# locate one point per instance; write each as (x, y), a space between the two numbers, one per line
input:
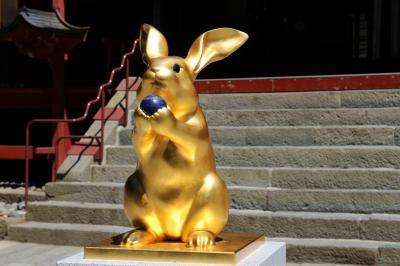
(175, 193)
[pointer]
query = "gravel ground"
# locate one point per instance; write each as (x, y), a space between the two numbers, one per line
(12, 209)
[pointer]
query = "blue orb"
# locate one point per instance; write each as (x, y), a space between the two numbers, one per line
(151, 104)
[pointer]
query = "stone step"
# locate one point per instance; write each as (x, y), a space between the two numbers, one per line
(286, 156)
(294, 136)
(334, 251)
(322, 99)
(304, 117)
(313, 252)
(273, 199)
(11, 195)
(382, 227)
(318, 200)
(296, 178)
(63, 233)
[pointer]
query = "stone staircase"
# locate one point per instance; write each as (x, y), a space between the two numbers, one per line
(319, 170)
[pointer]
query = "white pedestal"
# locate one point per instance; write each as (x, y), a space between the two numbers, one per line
(271, 253)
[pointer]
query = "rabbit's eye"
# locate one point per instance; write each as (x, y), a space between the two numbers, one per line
(176, 68)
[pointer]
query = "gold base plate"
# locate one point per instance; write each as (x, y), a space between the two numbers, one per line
(230, 248)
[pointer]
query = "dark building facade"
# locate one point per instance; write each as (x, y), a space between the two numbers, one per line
(287, 38)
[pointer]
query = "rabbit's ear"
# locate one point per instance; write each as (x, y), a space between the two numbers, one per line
(152, 43)
(212, 46)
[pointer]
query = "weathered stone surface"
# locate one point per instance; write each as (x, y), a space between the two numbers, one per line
(362, 201)
(124, 135)
(3, 227)
(277, 224)
(75, 168)
(246, 176)
(112, 173)
(120, 155)
(370, 98)
(296, 178)
(277, 136)
(320, 99)
(241, 197)
(397, 136)
(110, 130)
(64, 233)
(6, 222)
(323, 251)
(382, 116)
(77, 213)
(9, 195)
(269, 100)
(86, 192)
(291, 117)
(296, 225)
(228, 136)
(261, 156)
(248, 198)
(389, 254)
(294, 136)
(326, 178)
(384, 227)
(353, 135)
(241, 176)
(325, 156)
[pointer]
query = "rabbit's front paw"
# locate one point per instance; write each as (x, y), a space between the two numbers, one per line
(139, 238)
(201, 239)
(141, 121)
(162, 120)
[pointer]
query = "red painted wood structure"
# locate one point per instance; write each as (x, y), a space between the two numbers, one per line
(301, 83)
(46, 35)
(95, 145)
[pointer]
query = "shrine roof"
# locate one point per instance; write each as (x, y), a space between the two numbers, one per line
(49, 21)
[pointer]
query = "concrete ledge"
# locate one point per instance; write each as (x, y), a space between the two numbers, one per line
(251, 198)
(3, 228)
(320, 99)
(304, 117)
(286, 156)
(6, 222)
(9, 195)
(381, 227)
(293, 135)
(63, 233)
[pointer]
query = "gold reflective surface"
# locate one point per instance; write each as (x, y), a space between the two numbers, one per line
(230, 248)
(175, 193)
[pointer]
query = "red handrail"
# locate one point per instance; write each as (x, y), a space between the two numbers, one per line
(100, 96)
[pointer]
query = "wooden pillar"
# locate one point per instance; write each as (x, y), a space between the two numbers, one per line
(57, 97)
(60, 6)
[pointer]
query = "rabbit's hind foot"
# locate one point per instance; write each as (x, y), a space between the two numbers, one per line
(200, 239)
(139, 238)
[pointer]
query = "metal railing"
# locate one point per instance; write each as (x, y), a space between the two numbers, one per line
(98, 139)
